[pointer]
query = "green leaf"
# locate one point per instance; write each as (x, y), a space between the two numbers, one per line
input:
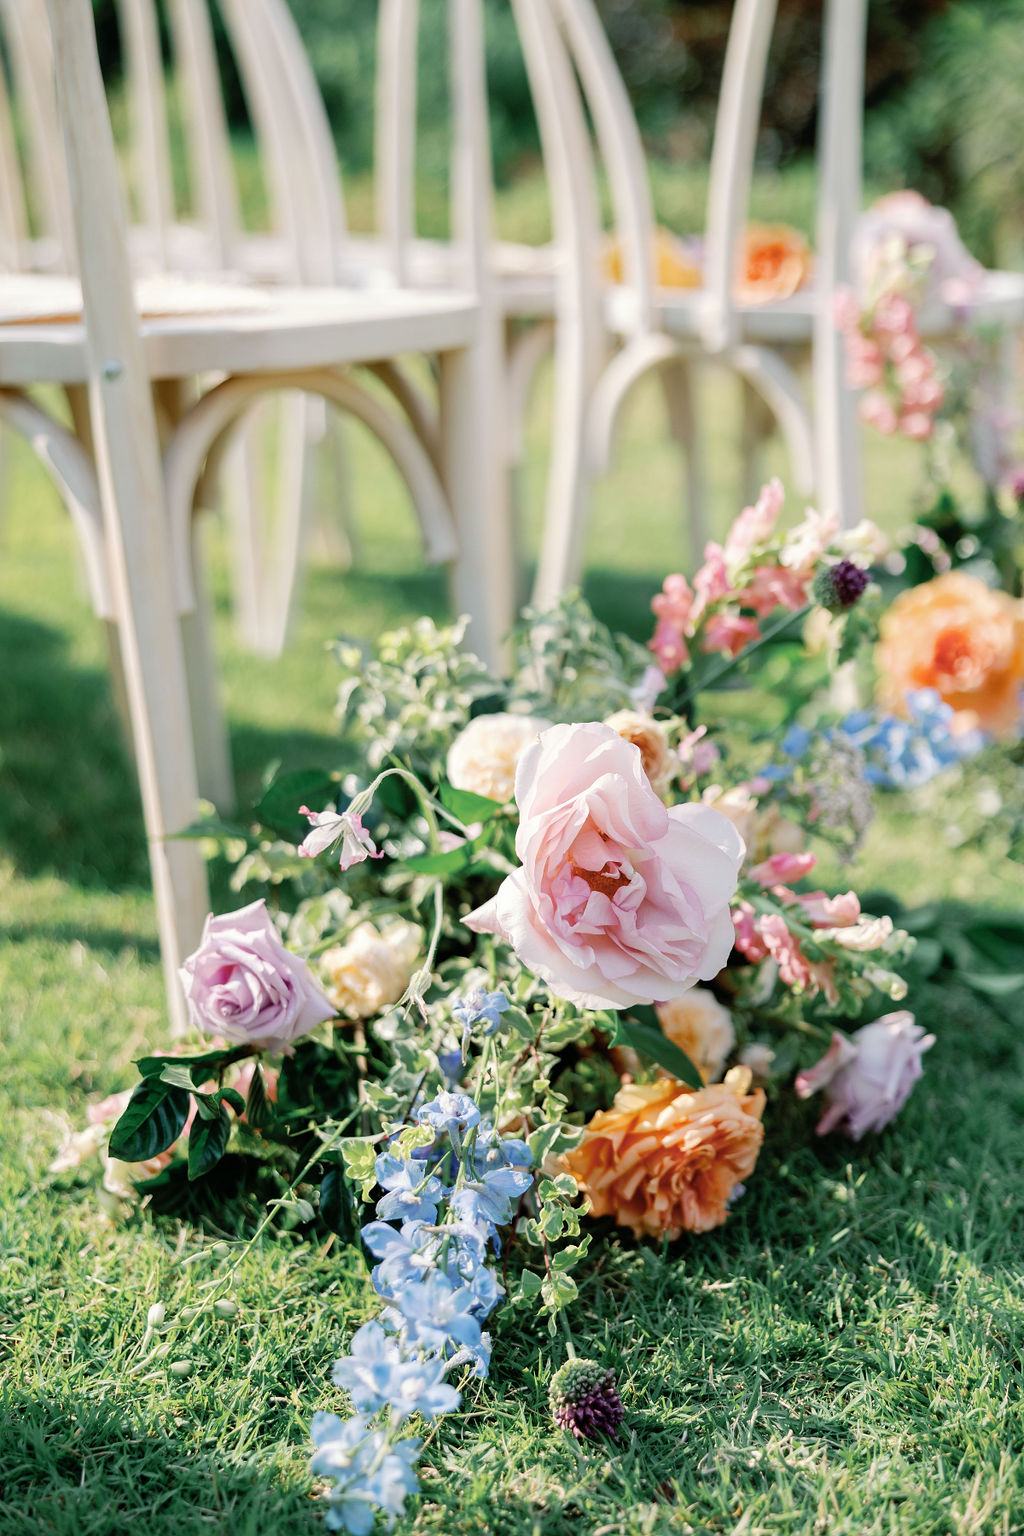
(279, 807)
(208, 1063)
(207, 1142)
(258, 1110)
(153, 1120)
(233, 1097)
(336, 1203)
(441, 863)
(179, 1075)
(992, 984)
(467, 806)
(643, 1032)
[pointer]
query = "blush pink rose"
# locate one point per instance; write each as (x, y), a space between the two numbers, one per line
(867, 1080)
(619, 899)
(243, 984)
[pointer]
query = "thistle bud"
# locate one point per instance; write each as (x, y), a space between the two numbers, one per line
(837, 587)
(585, 1400)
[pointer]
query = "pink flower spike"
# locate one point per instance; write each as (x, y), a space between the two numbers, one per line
(916, 425)
(729, 632)
(711, 582)
(674, 602)
(328, 828)
(785, 867)
(831, 911)
(669, 647)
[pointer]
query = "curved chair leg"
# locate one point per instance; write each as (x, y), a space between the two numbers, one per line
(756, 426)
(779, 388)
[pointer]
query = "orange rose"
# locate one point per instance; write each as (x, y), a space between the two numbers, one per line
(675, 266)
(664, 1160)
(774, 261)
(955, 635)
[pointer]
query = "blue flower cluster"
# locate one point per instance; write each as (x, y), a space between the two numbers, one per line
(904, 754)
(435, 1230)
(898, 753)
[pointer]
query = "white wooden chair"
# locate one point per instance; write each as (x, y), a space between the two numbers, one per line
(132, 504)
(611, 339)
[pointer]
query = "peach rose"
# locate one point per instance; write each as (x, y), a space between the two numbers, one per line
(774, 261)
(661, 764)
(957, 636)
(676, 261)
(664, 1160)
(619, 899)
(701, 1027)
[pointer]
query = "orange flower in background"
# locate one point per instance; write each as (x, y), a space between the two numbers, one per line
(956, 635)
(774, 261)
(664, 1160)
(676, 266)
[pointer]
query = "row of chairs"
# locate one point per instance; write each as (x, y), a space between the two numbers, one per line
(162, 390)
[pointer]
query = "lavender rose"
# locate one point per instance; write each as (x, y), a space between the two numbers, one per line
(243, 984)
(867, 1080)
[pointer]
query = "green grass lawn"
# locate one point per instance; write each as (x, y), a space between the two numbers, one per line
(843, 1357)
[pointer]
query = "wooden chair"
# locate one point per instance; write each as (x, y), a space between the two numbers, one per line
(132, 503)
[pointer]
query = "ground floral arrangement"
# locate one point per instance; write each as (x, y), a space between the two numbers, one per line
(553, 952)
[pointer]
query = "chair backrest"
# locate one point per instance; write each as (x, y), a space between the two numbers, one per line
(14, 250)
(617, 145)
(43, 183)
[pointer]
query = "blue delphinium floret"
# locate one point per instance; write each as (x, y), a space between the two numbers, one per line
(376, 1374)
(368, 1472)
(480, 1007)
(450, 1114)
(906, 753)
(433, 1272)
(413, 1195)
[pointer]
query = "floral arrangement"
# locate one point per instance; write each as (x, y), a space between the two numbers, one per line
(549, 953)
(773, 262)
(914, 278)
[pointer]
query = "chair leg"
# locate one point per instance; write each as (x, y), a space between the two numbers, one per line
(482, 574)
(756, 425)
(241, 481)
(567, 508)
(209, 730)
(678, 380)
(329, 445)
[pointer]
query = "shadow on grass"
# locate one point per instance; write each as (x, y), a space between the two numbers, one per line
(72, 1467)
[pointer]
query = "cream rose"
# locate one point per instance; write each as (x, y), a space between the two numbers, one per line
(661, 764)
(372, 969)
(483, 757)
(701, 1027)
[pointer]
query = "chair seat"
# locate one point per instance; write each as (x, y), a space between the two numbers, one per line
(999, 301)
(205, 328)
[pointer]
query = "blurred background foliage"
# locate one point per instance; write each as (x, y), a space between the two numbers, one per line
(945, 108)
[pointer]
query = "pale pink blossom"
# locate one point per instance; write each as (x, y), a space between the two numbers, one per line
(755, 525)
(807, 542)
(868, 1079)
(674, 602)
(669, 647)
(748, 938)
(784, 867)
(330, 827)
(866, 934)
(917, 425)
(771, 587)
(876, 411)
(729, 633)
(711, 582)
(950, 274)
(825, 911)
(795, 970)
(619, 899)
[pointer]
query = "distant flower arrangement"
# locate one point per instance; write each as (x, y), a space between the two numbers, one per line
(549, 953)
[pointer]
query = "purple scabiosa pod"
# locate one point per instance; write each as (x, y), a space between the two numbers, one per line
(838, 587)
(585, 1400)
(241, 983)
